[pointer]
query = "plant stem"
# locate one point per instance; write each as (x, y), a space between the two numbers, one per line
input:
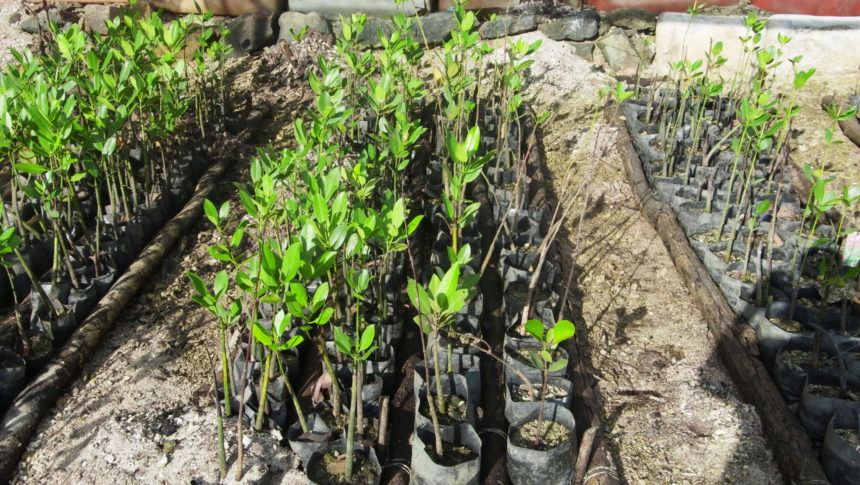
(350, 430)
(264, 389)
(225, 368)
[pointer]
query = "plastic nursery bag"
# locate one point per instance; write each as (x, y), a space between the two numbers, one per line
(851, 250)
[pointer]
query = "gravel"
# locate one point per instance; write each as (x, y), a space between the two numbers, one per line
(11, 36)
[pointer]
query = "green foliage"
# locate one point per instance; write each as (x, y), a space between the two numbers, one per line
(549, 340)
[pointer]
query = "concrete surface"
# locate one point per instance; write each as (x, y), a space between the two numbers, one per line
(830, 44)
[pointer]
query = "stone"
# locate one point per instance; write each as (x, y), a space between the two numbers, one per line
(96, 17)
(584, 50)
(437, 27)
(619, 52)
(296, 21)
(369, 35)
(251, 32)
(504, 25)
(373, 8)
(480, 4)
(632, 19)
(644, 46)
(15, 17)
(581, 25)
(32, 23)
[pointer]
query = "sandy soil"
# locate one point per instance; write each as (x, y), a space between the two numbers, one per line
(12, 37)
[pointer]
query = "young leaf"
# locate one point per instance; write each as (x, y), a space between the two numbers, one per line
(557, 365)
(367, 338)
(342, 341)
(220, 283)
(563, 330)
(535, 328)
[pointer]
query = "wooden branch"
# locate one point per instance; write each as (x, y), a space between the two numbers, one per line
(788, 441)
(31, 405)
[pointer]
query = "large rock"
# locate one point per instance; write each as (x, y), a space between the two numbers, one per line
(32, 23)
(251, 32)
(619, 52)
(295, 22)
(97, 16)
(375, 8)
(632, 19)
(437, 27)
(372, 28)
(581, 25)
(505, 25)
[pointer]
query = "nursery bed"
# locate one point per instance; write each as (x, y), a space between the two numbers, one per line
(118, 420)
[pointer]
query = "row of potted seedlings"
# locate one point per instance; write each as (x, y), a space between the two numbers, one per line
(541, 431)
(94, 134)
(315, 262)
(717, 152)
(321, 267)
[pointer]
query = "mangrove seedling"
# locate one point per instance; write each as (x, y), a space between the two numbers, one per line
(358, 349)
(226, 316)
(544, 359)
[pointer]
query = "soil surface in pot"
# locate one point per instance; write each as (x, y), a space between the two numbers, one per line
(330, 470)
(520, 291)
(784, 323)
(804, 360)
(851, 436)
(455, 412)
(524, 355)
(711, 237)
(520, 392)
(452, 454)
(833, 392)
(541, 438)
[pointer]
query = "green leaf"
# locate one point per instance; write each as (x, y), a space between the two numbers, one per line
(456, 150)
(546, 356)
(211, 213)
(197, 282)
(563, 330)
(557, 365)
(535, 328)
(109, 146)
(342, 341)
(320, 296)
(536, 360)
(220, 283)
(367, 338)
(262, 335)
(28, 167)
(280, 324)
